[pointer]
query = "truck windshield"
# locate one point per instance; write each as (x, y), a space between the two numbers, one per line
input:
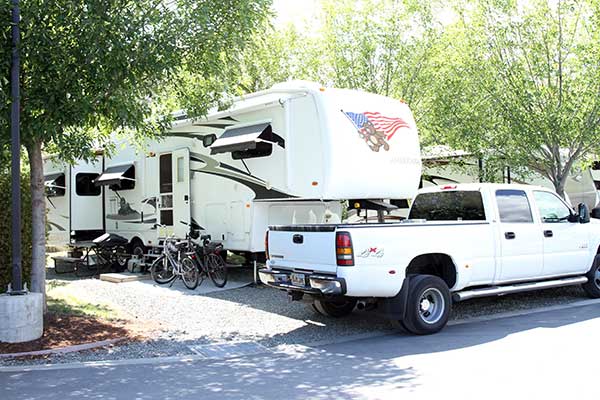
(448, 206)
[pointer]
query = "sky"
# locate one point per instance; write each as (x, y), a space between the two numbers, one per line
(298, 11)
(294, 11)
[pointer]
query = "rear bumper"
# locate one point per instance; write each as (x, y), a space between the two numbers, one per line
(316, 284)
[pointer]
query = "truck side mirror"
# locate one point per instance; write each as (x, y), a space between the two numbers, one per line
(596, 212)
(584, 214)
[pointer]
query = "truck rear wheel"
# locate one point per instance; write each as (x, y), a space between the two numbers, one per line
(334, 309)
(592, 287)
(429, 304)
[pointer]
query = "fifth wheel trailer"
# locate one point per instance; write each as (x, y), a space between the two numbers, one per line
(285, 155)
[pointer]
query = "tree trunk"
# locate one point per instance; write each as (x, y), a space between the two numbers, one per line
(559, 185)
(38, 220)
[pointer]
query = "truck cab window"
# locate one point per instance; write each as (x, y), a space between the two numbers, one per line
(551, 208)
(513, 206)
(85, 186)
(448, 206)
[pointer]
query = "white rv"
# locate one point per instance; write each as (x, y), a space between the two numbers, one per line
(285, 155)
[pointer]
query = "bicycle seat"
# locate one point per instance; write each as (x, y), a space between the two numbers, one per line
(212, 246)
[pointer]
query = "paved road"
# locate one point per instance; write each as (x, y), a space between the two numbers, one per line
(547, 355)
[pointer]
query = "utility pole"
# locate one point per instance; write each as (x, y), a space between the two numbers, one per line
(17, 272)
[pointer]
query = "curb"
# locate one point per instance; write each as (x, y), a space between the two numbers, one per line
(63, 350)
(274, 350)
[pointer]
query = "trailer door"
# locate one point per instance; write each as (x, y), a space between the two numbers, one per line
(181, 191)
(86, 198)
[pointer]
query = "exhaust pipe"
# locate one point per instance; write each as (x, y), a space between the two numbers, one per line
(365, 305)
(516, 288)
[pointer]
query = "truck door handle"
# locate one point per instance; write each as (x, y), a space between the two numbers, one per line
(509, 235)
(298, 239)
(548, 234)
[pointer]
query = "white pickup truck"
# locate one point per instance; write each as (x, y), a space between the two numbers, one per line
(459, 242)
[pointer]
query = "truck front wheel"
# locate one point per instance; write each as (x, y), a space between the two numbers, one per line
(592, 287)
(428, 306)
(334, 309)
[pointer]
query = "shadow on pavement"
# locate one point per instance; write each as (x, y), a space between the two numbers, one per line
(338, 371)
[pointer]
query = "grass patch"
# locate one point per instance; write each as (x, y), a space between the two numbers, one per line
(61, 301)
(55, 283)
(235, 259)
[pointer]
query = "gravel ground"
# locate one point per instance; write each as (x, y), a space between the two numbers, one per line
(257, 314)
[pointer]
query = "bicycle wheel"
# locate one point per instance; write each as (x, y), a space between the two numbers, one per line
(162, 270)
(189, 273)
(217, 270)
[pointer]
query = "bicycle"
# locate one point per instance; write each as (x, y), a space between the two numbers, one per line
(172, 263)
(207, 258)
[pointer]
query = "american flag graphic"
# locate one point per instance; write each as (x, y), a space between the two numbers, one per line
(387, 125)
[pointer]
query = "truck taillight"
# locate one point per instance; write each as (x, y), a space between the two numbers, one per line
(267, 244)
(343, 249)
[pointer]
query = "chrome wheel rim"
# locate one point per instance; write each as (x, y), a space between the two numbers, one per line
(431, 306)
(597, 277)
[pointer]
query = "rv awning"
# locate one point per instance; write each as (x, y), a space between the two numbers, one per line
(114, 175)
(50, 180)
(244, 138)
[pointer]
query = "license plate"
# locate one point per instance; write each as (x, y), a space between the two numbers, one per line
(298, 279)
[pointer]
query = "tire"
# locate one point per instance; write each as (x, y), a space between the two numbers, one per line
(334, 309)
(162, 270)
(190, 273)
(431, 292)
(217, 270)
(138, 252)
(592, 287)
(121, 259)
(399, 326)
(138, 249)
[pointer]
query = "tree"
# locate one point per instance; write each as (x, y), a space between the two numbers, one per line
(278, 55)
(521, 84)
(94, 67)
(381, 46)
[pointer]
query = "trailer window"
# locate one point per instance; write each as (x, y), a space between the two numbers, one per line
(513, 206)
(166, 217)
(180, 170)
(448, 206)
(85, 186)
(262, 150)
(166, 174)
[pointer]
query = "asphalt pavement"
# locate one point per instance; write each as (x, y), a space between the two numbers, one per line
(543, 355)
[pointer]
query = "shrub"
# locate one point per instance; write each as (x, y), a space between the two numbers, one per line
(5, 228)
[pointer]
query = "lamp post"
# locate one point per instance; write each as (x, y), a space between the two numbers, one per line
(17, 276)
